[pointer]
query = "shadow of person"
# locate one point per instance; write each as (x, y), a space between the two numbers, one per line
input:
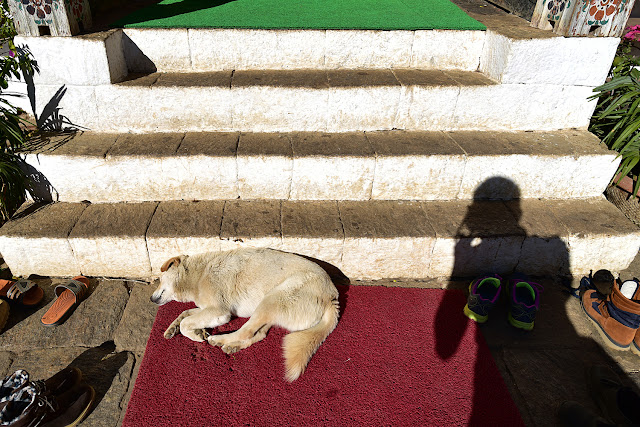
(501, 234)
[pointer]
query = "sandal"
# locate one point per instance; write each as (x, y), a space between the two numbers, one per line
(68, 296)
(4, 313)
(23, 291)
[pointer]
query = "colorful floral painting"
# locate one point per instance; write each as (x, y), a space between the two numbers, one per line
(600, 11)
(39, 8)
(556, 7)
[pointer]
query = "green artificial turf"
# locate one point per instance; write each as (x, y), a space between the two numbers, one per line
(303, 14)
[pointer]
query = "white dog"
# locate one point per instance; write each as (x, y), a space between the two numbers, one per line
(269, 286)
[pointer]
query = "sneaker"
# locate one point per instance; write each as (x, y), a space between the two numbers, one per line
(524, 302)
(483, 295)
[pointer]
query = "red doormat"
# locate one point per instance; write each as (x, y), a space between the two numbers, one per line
(397, 357)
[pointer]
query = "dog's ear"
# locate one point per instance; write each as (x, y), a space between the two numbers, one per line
(167, 265)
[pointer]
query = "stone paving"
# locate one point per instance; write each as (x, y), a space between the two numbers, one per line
(106, 337)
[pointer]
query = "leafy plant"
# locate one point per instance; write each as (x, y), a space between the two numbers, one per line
(18, 62)
(616, 120)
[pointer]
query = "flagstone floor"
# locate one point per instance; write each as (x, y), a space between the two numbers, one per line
(106, 336)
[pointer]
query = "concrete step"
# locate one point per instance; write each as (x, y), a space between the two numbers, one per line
(531, 79)
(373, 239)
(319, 101)
(387, 165)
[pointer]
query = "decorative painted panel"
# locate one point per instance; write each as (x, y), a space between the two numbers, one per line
(604, 18)
(50, 17)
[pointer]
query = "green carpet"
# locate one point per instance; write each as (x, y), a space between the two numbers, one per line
(303, 14)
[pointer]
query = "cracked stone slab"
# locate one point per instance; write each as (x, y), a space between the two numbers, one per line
(251, 223)
(205, 167)
(265, 166)
(183, 228)
(416, 165)
(36, 240)
(92, 323)
(473, 238)
(332, 166)
(313, 228)
(380, 235)
(109, 239)
(598, 237)
(536, 395)
(133, 330)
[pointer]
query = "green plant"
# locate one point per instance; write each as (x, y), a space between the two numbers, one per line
(616, 120)
(15, 65)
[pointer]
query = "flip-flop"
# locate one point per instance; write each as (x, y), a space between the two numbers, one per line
(68, 296)
(23, 291)
(4, 313)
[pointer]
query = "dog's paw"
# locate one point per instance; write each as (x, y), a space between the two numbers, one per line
(214, 341)
(230, 348)
(201, 335)
(171, 332)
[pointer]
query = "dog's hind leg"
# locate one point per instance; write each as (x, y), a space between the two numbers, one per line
(254, 330)
(193, 326)
(233, 347)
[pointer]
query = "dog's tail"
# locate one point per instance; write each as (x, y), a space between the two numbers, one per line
(299, 346)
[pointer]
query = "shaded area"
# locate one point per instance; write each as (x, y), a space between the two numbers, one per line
(547, 365)
(302, 14)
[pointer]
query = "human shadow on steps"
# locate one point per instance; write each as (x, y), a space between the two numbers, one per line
(543, 367)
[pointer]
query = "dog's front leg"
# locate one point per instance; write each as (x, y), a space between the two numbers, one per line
(193, 327)
(174, 327)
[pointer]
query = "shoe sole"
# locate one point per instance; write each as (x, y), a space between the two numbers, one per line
(605, 337)
(635, 349)
(474, 316)
(520, 325)
(85, 411)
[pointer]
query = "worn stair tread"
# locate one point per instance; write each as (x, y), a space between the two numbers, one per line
(385, 165)
(311, 78)
(372, 239)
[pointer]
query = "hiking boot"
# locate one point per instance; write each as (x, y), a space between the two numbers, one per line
(633, 287)
(524, 302)
(28, 407)
(617, 318)
(483, 295)
(618, 403)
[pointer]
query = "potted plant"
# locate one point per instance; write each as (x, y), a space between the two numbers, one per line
(616, 120)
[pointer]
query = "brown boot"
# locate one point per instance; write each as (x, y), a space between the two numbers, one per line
(617, 318)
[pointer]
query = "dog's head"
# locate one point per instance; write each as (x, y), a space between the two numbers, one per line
(172, 271)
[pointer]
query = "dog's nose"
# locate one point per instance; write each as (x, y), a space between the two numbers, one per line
(155, 298)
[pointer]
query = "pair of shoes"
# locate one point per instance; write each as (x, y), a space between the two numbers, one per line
(523, 296)
(61, 400)
(617, 315)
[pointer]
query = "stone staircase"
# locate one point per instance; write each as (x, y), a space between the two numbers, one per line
(385, 153)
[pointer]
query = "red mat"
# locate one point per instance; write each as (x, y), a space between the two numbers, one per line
(398, 357)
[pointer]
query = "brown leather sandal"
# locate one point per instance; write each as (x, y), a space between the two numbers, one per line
(23, 291)
(68, 296)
